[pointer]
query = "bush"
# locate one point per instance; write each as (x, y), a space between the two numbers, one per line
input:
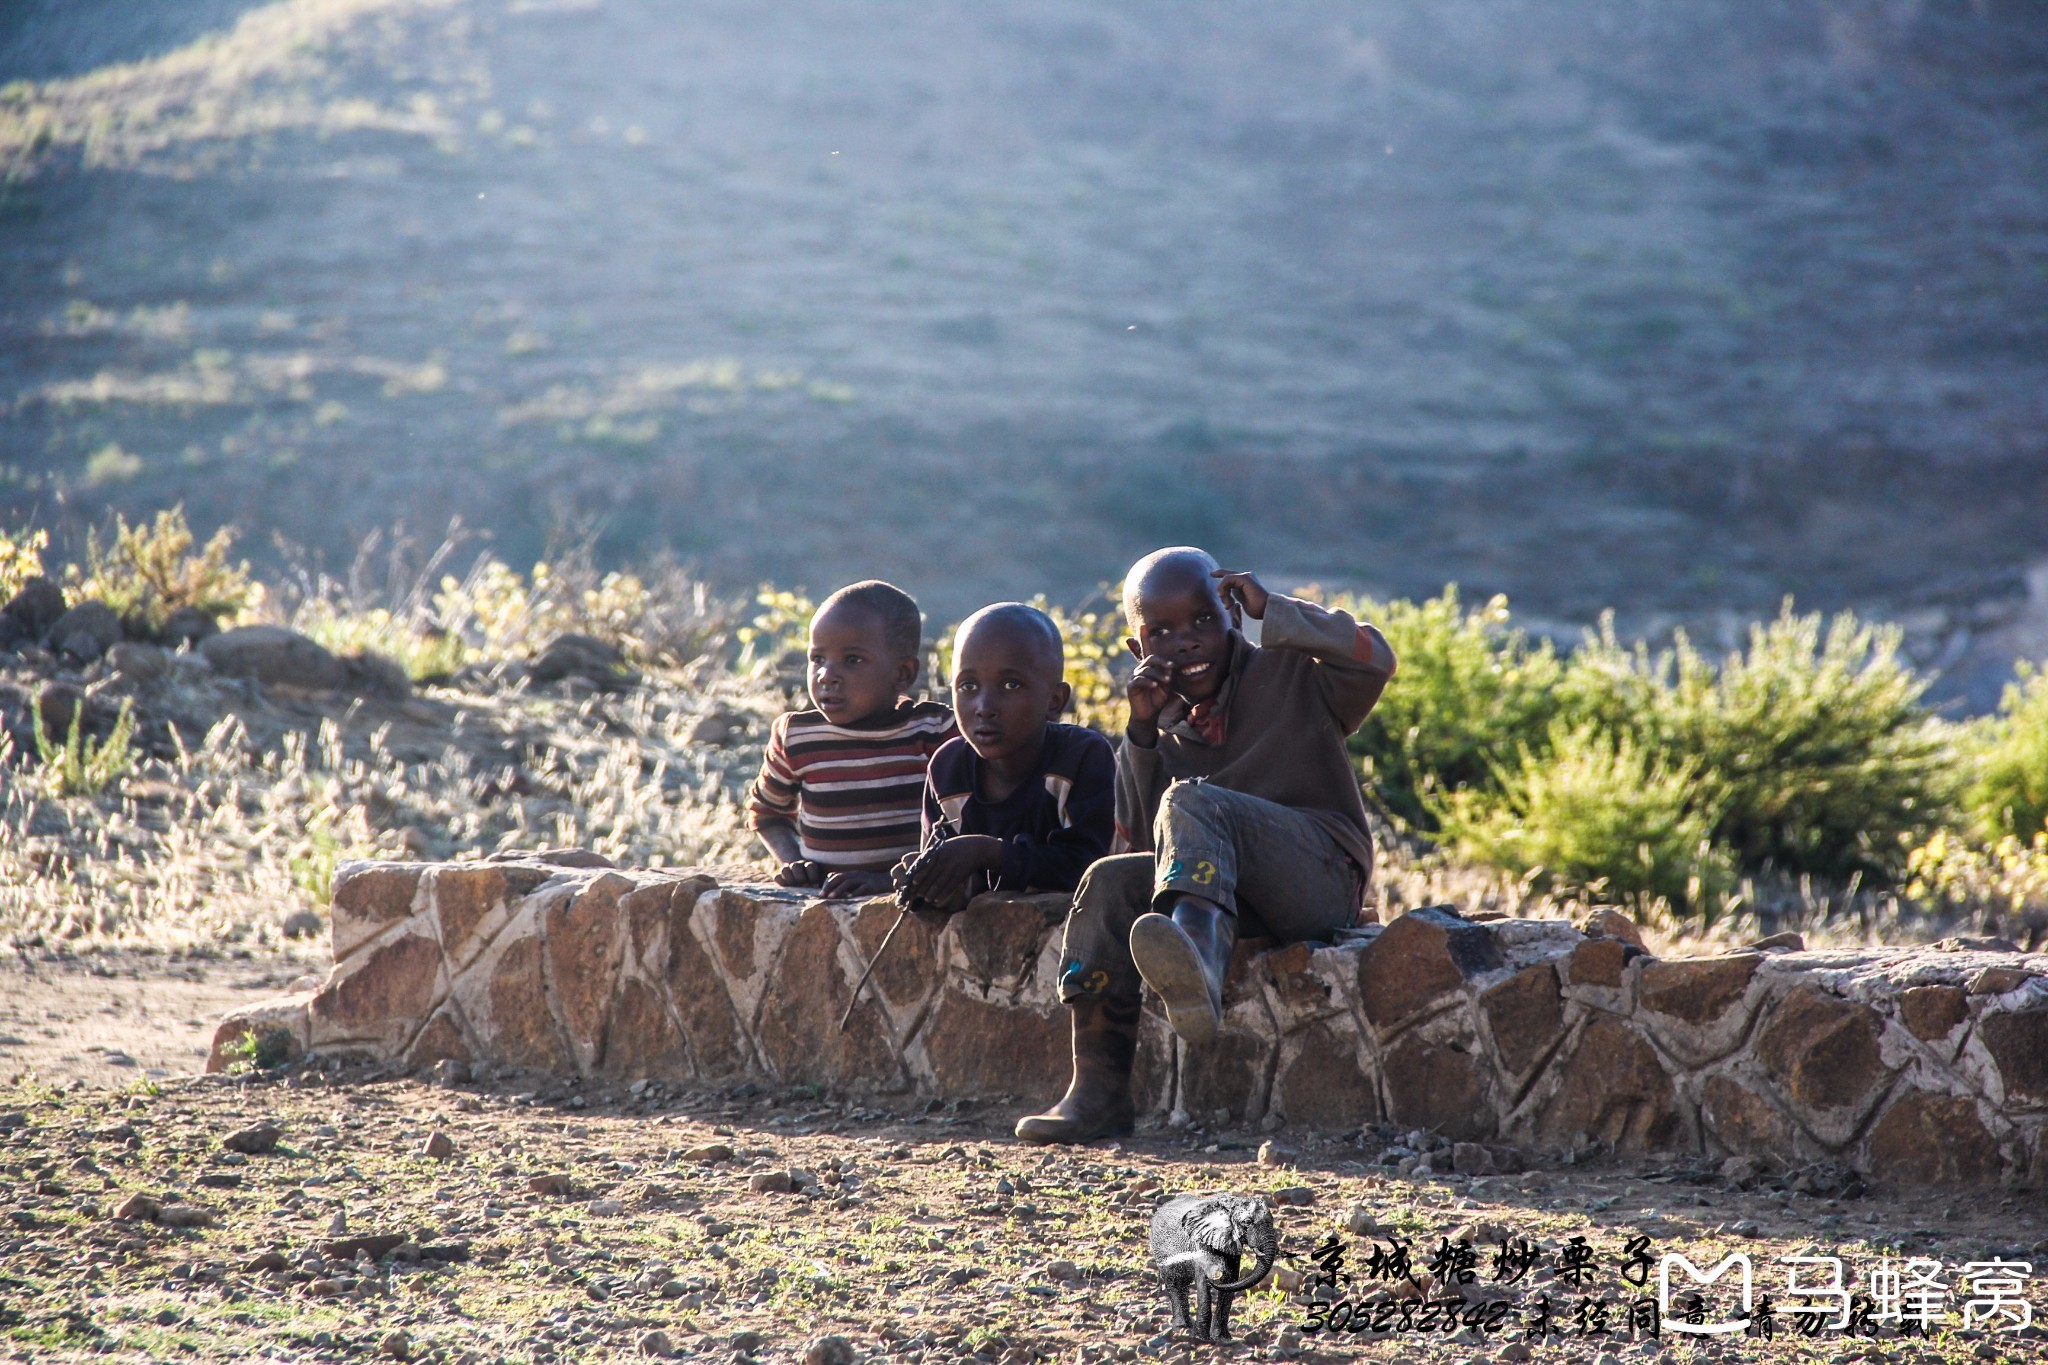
(1600, 815)
(21, 558)
(150, 572)
(81, 766)
(1824, 759)
(425, 652)
(1470, 691)
(2008, 791)
(498, 612)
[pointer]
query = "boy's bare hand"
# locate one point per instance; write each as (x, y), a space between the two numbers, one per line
(944, 874)
(1242, 588)
(1148, 696)
(801, 872)
(852, 885)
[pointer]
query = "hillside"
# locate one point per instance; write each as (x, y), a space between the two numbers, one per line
(1676, 311)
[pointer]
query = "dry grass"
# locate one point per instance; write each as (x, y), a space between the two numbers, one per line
(266, 74)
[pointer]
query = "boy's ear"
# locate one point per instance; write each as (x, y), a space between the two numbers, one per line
(1137, 651)
(907, 669)
(1062, 694)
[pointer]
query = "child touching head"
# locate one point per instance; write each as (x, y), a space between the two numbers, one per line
(837, 801)
(1018, 801)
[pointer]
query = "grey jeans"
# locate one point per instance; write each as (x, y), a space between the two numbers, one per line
(1276, 870)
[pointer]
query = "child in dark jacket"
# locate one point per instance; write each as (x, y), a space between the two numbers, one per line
(1017, 801)
(1241, 805)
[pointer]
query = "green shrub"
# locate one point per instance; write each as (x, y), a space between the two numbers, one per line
(1470, 690)
(81, 766)
(21, 558)
(1597, 814)
(1815, 739)
(151, 571)
(426, 653)
(2008, 788)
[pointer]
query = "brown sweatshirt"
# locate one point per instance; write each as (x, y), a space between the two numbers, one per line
(1287, 707)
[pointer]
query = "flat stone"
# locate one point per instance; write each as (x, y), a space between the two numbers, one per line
(771, 1182)
(1746, 1124)
(1608, 922)
(462, 894)
(999, 937)
(1435, 1086)
(2018, 1043)
(1931, 1013)
(1323, 1081)
(391, 986)
(1695, 990)
(910, 971)
(982, 1049)
(258, 1139)
(521, 1024)
(709, 1152)
(1924, 1139)
(1417, 960)
(1823, 1053)
(582, 936)
(1601, 962)
(1525, 1015)
(798, 1029)
(375, 1245)
(1614, 1091)
(368, 897)
(550, 1185)
(1999, 980)
(717, 1044)
(643, 1039)
(438, 1146)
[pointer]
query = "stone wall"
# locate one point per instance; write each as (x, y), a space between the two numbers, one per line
(1926, 1065)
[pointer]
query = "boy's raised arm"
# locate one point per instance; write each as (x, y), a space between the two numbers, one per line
(1353, 660)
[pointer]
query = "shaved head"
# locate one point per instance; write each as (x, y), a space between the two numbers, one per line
(1018, 624)
(1176, 567)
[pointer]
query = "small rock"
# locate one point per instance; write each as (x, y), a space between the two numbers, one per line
(829, 1351)
(746, 1343)
(576, 655)
(138, 1208)
(86, 632)
(138, 663)
(13, 1119)
(1607, 1358)
(1297, 1196)
(1472, 1158)
(368, 674)
(450, 1072)
(553, 1183)
(61, 704)
(303, 924)
(1273, 1154)
(1998, 980)
(771, 1182)
(187, 626)
(1515, 1351)
(1062, 1270)
(1786, 942)
(396, 1345)
(375, 1245)
(1741, 1171)
(1288, 1279)
(35, 608)
(266, 1262)
(1612, 923)
(607, 1208)
(274, 656)
(258, 1139)
(338, 1224)
(709, 1152)
(438, 1146)
(186, 1216)
(1361, 1223)
(657, 1344)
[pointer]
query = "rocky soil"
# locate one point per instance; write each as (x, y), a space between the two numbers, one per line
(348, 1216)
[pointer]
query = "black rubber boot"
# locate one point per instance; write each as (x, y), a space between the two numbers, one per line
(1098, 1101)
(1184, 957)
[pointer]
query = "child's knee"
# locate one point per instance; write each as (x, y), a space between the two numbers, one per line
(1183, 801)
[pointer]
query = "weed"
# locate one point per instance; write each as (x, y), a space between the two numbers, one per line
(151, 571)
(21, 558)
(81, 766)
(1599, 814)
(2008, 792)
(1470, 689)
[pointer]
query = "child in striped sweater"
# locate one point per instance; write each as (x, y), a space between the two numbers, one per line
(839, 799)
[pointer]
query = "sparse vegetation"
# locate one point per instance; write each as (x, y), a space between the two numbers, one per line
(1798, 780)
(150, 571)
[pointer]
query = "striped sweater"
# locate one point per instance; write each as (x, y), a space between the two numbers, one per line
(854, 792)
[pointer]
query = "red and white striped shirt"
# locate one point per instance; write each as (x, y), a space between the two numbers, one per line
(854, 792)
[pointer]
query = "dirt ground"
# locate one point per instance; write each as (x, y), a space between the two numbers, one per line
(116, 1019)
(569, 1223)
